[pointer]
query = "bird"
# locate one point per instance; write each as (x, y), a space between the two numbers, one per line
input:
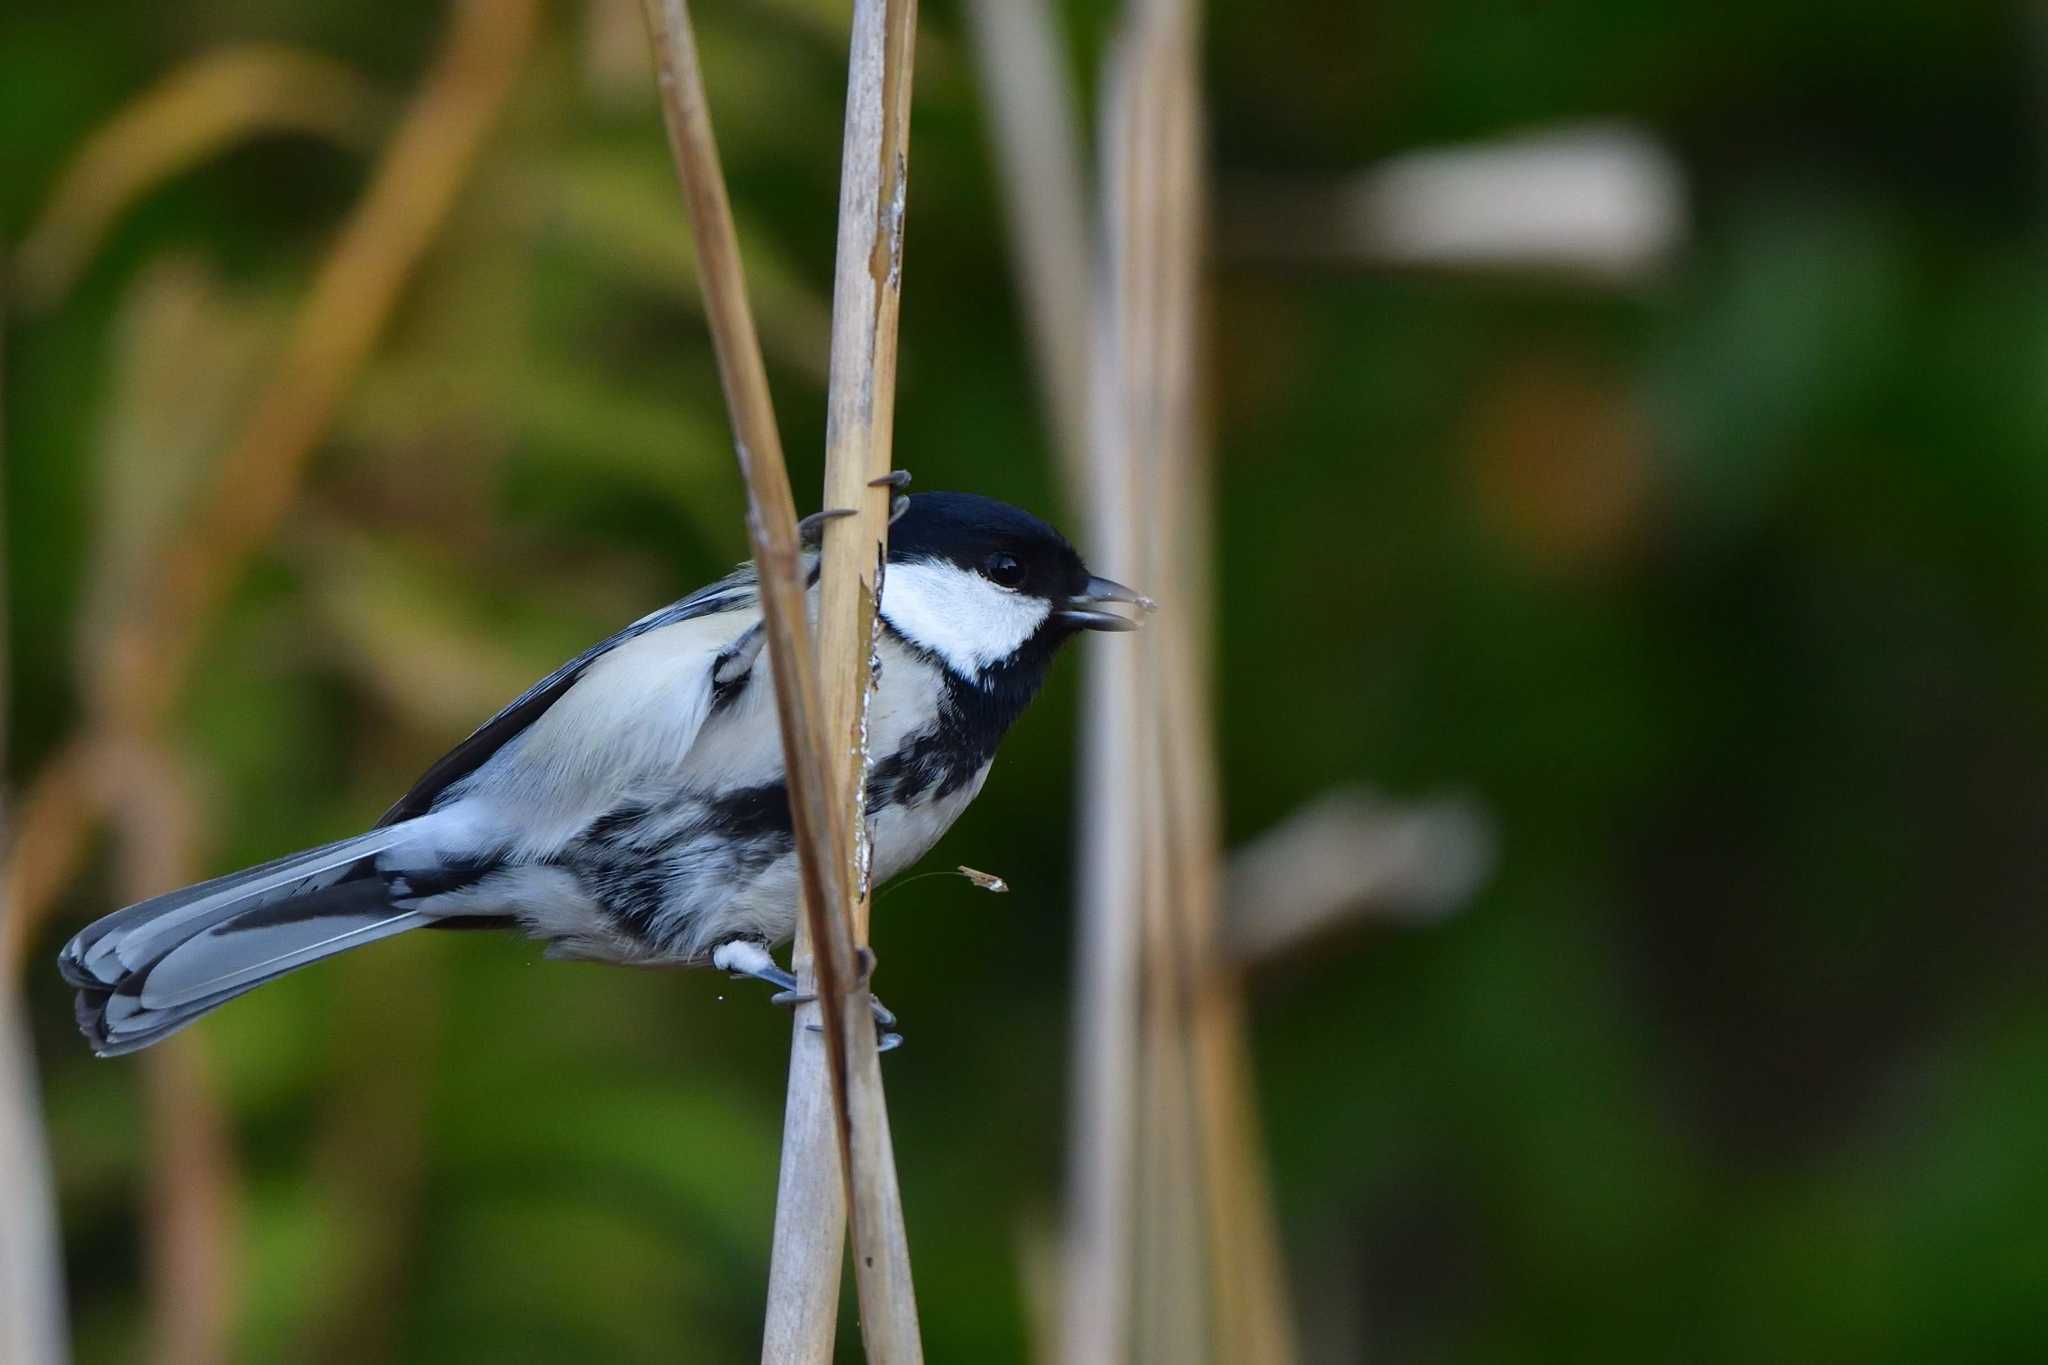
(631, 807)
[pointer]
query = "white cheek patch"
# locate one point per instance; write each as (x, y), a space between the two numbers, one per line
(959, 615)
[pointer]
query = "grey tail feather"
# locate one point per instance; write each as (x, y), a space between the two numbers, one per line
(145, 972)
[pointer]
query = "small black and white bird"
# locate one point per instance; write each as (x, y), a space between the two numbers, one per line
(630, 807)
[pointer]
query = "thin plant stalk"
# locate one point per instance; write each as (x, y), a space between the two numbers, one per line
(49, 824)
(1171, 1252)
(771, 511)
(1096, 1324)
(31, 1265)
(804, 1268)
(357, 287)
(216, 100)
(193, 1187)
(1025, 82)
(823, 826)
(140, 667)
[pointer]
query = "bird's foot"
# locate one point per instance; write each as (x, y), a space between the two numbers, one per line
(812, 527)
(898, 479)
(746, 957)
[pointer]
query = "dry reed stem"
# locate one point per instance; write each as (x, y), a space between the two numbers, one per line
(1200, 1038)
(196, 111)
(192, 1202)
(1096, 1326)
(145, 665)
(1155, 117)
(147, 662)
(810, 1212)
(193, 1195)
(823, 833)
(1023, 72)
(1251, 1321)
(148, 659)
(371, 1156)
(1172, 1255)
(771, 511)
(358, 285)
(51, 822)
(31, 1262)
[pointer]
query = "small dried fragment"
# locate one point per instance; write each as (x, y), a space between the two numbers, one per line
(987, 881)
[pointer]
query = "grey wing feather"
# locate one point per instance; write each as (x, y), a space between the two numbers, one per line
(148, 970)
(735, 589)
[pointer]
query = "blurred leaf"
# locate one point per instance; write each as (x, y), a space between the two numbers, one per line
(432, 650)
(622, 215)
(217, 99)
(189, 358)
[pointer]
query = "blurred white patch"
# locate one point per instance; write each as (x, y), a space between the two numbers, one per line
(1604, 201)
(1603, 198)
(1352, 854)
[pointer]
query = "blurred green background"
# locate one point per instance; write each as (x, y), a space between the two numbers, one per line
(1719, 586)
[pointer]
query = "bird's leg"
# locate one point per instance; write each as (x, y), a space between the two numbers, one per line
(750, 957)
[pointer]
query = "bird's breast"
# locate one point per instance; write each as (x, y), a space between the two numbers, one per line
(902, 831)
(925, 761)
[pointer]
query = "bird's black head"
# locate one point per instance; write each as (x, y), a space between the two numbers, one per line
(990, 590)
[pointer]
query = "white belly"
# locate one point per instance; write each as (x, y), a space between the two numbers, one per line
(903, 834)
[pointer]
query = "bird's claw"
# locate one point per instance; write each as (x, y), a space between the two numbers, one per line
(898, 479)
(885, 1018)
(885, 1041)
(748, 958)
(790, 999)
(809, 528)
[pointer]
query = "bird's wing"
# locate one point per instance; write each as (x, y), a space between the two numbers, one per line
(595, 721)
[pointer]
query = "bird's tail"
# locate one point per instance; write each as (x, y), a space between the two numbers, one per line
(145, 972)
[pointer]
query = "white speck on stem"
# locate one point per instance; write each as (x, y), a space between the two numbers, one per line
(899, 191)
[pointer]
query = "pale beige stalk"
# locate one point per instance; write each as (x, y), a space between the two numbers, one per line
(1171, 1252)
(1031, 105)
(201, 108)
(823, 824)
(31, 1261)
(810, 1210)
(140, 666)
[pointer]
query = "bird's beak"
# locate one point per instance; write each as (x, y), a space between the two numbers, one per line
(1085, 609)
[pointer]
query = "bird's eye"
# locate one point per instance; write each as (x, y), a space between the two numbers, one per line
(1004, 570)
